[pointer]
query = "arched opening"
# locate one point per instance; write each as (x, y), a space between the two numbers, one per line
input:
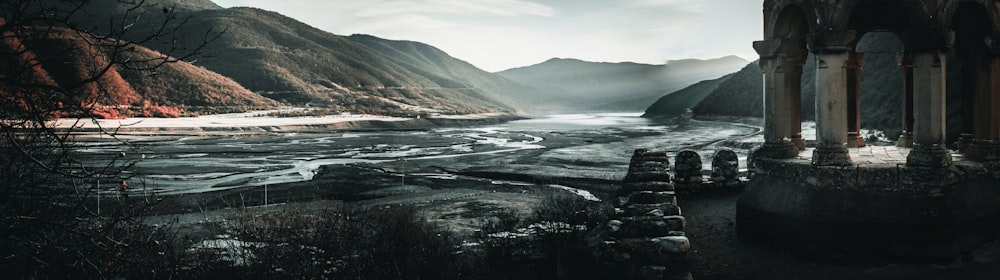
(972, 28)
(874, 61)
(881, 83)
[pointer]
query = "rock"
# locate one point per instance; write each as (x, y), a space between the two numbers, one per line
(657, 186)
(652, 272)
(646, 239)
(614, 226)
(647, 176)
(673, 244)
(725, 169)
(687, 168)
(652, 197)
(650, 251)
(650, 226)
(658, 209)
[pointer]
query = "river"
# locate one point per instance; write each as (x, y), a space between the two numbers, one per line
(583, 146)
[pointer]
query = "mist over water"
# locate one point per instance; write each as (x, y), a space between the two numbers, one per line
(565, 122)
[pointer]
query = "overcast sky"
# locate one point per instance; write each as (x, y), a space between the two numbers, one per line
(501, 34)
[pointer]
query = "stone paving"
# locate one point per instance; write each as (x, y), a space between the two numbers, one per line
(874, 155)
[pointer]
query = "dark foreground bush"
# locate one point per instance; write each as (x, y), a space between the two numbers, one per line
(386, 243)
(550, 243)
(397, 243)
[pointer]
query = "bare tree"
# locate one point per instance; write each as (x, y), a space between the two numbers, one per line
(56, 64)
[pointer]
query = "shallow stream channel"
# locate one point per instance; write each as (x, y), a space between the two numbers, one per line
(583, 154)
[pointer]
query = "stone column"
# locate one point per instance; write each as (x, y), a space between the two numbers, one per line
(970, 86)
(855, 63)
(906, 66)
(831, 110)
(986, 143)
(994, 93)
(929, 112)
(793, 85)
(776, 112)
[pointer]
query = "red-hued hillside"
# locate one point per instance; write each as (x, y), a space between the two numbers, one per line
(65, 60)
(290, 61)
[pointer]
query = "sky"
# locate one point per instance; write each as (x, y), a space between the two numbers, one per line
(496, 35)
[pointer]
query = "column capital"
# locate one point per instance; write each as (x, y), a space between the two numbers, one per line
(767, 48)
(905, 59)
(855, 60)
(775, 47)
(834, 41)
(832, 59)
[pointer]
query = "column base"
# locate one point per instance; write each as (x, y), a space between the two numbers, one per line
(905, 140)
(983, 150)
(932, 155)
(777, 150)
(799, 142)
(964, 140)
(831, 157)
(854, 140)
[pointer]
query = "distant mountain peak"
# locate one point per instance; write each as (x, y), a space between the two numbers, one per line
(618, 86)
(726, 59)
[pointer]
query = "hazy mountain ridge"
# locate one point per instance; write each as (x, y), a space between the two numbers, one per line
(624, 86)
(454, 73)
(679, 102)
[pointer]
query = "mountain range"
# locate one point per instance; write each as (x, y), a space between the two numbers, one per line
(619, 87)
(276, 60)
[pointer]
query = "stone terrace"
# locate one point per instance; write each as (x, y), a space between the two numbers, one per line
(876, 155)
(875, 166)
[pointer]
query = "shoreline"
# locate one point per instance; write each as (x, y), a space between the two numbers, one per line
(253, 122)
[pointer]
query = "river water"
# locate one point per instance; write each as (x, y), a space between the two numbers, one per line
(594, 146)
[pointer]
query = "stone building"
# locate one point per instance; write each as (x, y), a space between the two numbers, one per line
(929, 29)
(918, 199)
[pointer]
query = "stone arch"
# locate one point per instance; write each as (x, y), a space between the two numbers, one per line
(777, 20)
(834, 28)
(898, 17)
(951, 11)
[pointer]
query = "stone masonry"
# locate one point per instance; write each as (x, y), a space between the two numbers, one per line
(725, 169)
(646, 237)
(687, 170)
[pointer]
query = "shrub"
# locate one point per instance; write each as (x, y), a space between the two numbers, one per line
(301, 243)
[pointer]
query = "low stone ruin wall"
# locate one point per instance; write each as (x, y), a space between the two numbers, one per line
(646, 239)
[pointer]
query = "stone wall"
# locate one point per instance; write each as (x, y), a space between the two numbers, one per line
(646, 239)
